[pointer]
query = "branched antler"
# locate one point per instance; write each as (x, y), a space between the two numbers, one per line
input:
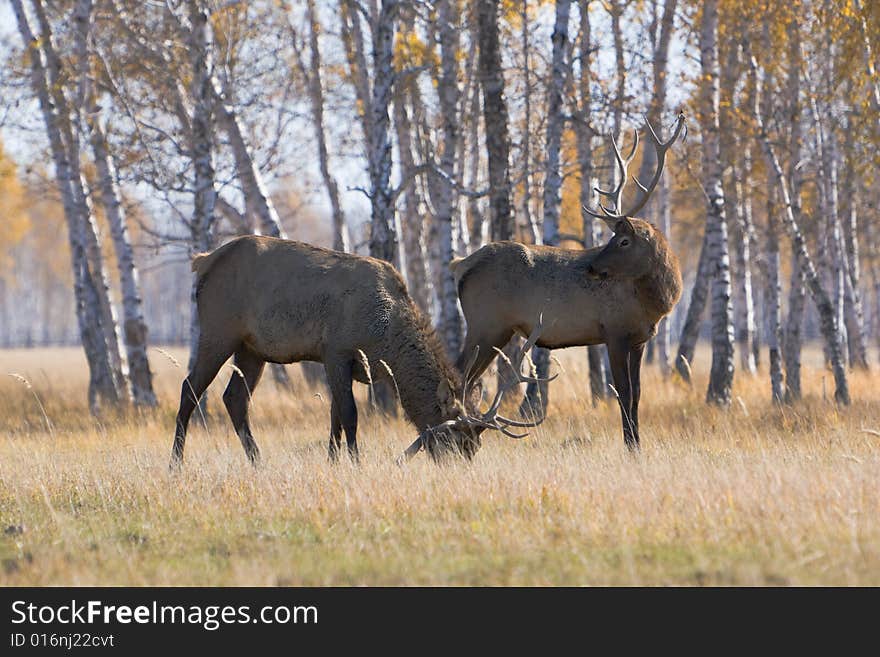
(491, 419)
(616, 195)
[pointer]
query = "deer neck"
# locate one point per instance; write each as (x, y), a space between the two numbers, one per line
(660, 289)
(419, 364)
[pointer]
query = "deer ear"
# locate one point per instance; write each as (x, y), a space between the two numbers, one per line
(445, 397)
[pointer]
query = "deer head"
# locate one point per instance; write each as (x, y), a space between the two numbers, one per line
(462, 435)
(630, 251)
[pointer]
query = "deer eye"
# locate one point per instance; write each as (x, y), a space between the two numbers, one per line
(624, 242)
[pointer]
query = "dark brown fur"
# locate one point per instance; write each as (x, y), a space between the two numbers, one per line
(262, 299)
(613, 295)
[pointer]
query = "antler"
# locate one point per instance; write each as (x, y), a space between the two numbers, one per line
(616, 194)
(661, 147)
(491, 419)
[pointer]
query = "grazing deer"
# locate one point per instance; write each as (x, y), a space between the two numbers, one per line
(263, 299)
(613, 295)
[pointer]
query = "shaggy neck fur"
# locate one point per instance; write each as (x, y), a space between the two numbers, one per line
(419, 363)
(660, 289)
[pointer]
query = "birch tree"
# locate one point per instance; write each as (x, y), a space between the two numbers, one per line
(383, 236)
(450, 321)
(661, 209)
(796, 292)
(201, 148)
(584, 131)
(536, 399)
(103, 384)
(310, 72)
(134, 327)
(731, 154)
(827, 317)
(721, 374)
(495, 121)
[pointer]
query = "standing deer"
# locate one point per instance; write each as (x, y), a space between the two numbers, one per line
(613, 295)
(263, 299)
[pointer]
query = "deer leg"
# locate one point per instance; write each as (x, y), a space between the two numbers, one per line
(618, 353)
(635, 375)
(237, 398)
(335, 433)
(208, 362)
(339, 378)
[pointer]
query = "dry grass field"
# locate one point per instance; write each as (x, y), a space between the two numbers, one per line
(753, 495)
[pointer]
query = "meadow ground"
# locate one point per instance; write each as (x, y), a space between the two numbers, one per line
(752, 495)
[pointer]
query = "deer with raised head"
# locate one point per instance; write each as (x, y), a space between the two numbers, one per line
(263, 299)
(613, 295)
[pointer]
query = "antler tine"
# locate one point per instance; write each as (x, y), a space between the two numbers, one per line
(661, 147)
(466, 382)
(490, 417)
(616, 194)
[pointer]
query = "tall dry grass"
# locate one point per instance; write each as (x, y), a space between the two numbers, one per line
(750, 495)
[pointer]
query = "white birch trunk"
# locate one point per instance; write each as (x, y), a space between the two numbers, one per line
(495, 116)
(450, 321)
(529, 219)
(383, 236)
(721, 374)
(537, 394)
(855, 316)
(341, 239)
(827, 317)
(102, 384)
(201, 150)
(415, 249)
(70, 114)
(134, 327)
(584, 134)
(772, 305)
(792, 343)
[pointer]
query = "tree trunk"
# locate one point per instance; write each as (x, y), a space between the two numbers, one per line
(134, 326)
(855, 316)
(584, 134)
(745, 315)
(414, 247)
(479, 228)
(383, 237)
(450, 322)
(56, 116)
(202, 153)
(690, 331)
(663, 339)
(529, 220)
(772, 308)
(874, 79)
(721, 374)
(537, 394)
(827, 317)
(495, 115)
(793, 341)
(312, 76)
(659, 207)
